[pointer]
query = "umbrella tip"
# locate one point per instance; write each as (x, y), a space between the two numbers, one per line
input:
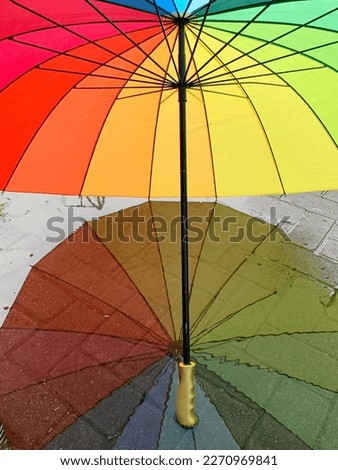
(185, 401)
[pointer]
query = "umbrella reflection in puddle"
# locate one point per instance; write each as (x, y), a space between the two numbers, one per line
(88, 347)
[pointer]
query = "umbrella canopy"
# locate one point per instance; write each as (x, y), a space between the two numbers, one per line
(88, 349)
(90, 89)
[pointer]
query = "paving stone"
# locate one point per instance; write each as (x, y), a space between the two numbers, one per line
(314, 203)
(270, 208)
(334, 233)
(330, 249)
(332, 195)
(311, 230)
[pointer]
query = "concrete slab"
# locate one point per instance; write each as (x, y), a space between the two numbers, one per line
(330, 249)
(311, 230)
(314, 203)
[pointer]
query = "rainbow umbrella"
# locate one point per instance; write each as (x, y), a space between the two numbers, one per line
(122, 97)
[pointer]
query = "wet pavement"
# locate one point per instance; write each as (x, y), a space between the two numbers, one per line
(310, 220)
(266, 375)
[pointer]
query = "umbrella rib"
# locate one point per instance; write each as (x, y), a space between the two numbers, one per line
(206, 82)
(214, 298)
(225, 94)
(164, 279)
(32, 138)
(143, 327)
(228, 10)
(194, 439)
(84, 37)
(140, 293)
(267, 140)
(267, 23)
(192, 52)
(205, 332)
(209, 134)
(198, 82)
(123, 79)
(135, 95)
(170, 363)
(204, 311)
(287, 85)
(204, 347)
(272, 41)
(155, 132)
(262, 127)
(243, 7)
(160, 90)
(133, 7)
(157, 347)
(100, 64)
(186, 8)
(291, 54)
(241, 80)
(210, 217)
(87, 60)
(298, 94)
(166, 39)
(98, 137)
(176, 9)
(193, 13)
(127, 37)
(216, 54)
(167, 12)
(169, 95)
(84, 23)
(103, 364)
(126, 88)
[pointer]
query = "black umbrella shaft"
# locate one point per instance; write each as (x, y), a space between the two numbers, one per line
(182, 91)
